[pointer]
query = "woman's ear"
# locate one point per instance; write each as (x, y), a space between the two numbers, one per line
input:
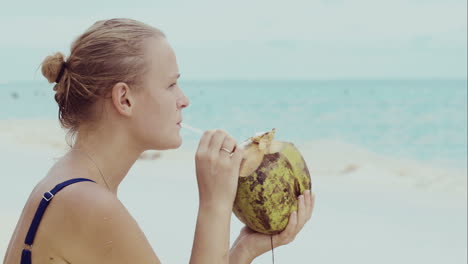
(122, 98)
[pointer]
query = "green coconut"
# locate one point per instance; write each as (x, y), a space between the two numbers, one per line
(272, 176)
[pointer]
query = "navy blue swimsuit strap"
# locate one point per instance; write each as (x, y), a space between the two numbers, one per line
(46, 198)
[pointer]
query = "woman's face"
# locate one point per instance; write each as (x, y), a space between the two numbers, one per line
(160, 101)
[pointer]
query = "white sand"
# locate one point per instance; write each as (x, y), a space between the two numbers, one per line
(369, 209)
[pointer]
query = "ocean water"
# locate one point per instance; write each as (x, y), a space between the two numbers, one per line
(418, 120)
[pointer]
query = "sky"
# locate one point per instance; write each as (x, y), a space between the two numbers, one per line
(258, 39)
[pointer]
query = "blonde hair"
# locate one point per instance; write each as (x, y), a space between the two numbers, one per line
(110, 51)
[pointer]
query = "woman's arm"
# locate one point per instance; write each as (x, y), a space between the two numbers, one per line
(239, 255)
(217, 176)
(211, 242)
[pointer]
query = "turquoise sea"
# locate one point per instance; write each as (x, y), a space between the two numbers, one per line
(419, 120)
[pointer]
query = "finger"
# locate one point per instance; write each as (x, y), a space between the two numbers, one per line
(288, 234)
(308, 204)
(237, 156)
(312, 206)
(301, 213)
(229, 144)
(205, 141)
(216, 143)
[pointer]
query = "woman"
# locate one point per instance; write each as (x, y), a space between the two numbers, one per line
(118, 96)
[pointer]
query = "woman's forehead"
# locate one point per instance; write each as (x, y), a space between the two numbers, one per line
(162, 58)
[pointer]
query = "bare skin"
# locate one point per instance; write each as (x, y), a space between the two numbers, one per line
(86, 222)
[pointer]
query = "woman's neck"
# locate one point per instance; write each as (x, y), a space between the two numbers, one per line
(111, 151)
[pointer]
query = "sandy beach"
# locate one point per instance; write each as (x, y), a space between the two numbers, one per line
(369, 208)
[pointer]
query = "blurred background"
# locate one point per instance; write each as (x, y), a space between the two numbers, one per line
(374, 94)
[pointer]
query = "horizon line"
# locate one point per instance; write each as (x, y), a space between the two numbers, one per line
(280, 80)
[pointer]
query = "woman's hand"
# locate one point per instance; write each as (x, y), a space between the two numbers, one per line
(250, 244)
(217, 164)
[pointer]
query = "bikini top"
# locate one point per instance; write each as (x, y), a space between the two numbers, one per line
(46, 198)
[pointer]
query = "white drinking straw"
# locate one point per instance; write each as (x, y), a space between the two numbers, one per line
(200, 132)
(193, 129)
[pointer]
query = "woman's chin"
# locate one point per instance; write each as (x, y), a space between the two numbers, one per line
(175, 144)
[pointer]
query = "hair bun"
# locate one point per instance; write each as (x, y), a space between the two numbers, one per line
(52, 65)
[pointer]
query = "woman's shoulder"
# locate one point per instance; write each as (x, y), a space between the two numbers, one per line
(87, 223)
(86, 195)
(79, 199)
(87, 204)
(96, 223)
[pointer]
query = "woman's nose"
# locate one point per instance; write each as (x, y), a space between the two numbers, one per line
(183, 101)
